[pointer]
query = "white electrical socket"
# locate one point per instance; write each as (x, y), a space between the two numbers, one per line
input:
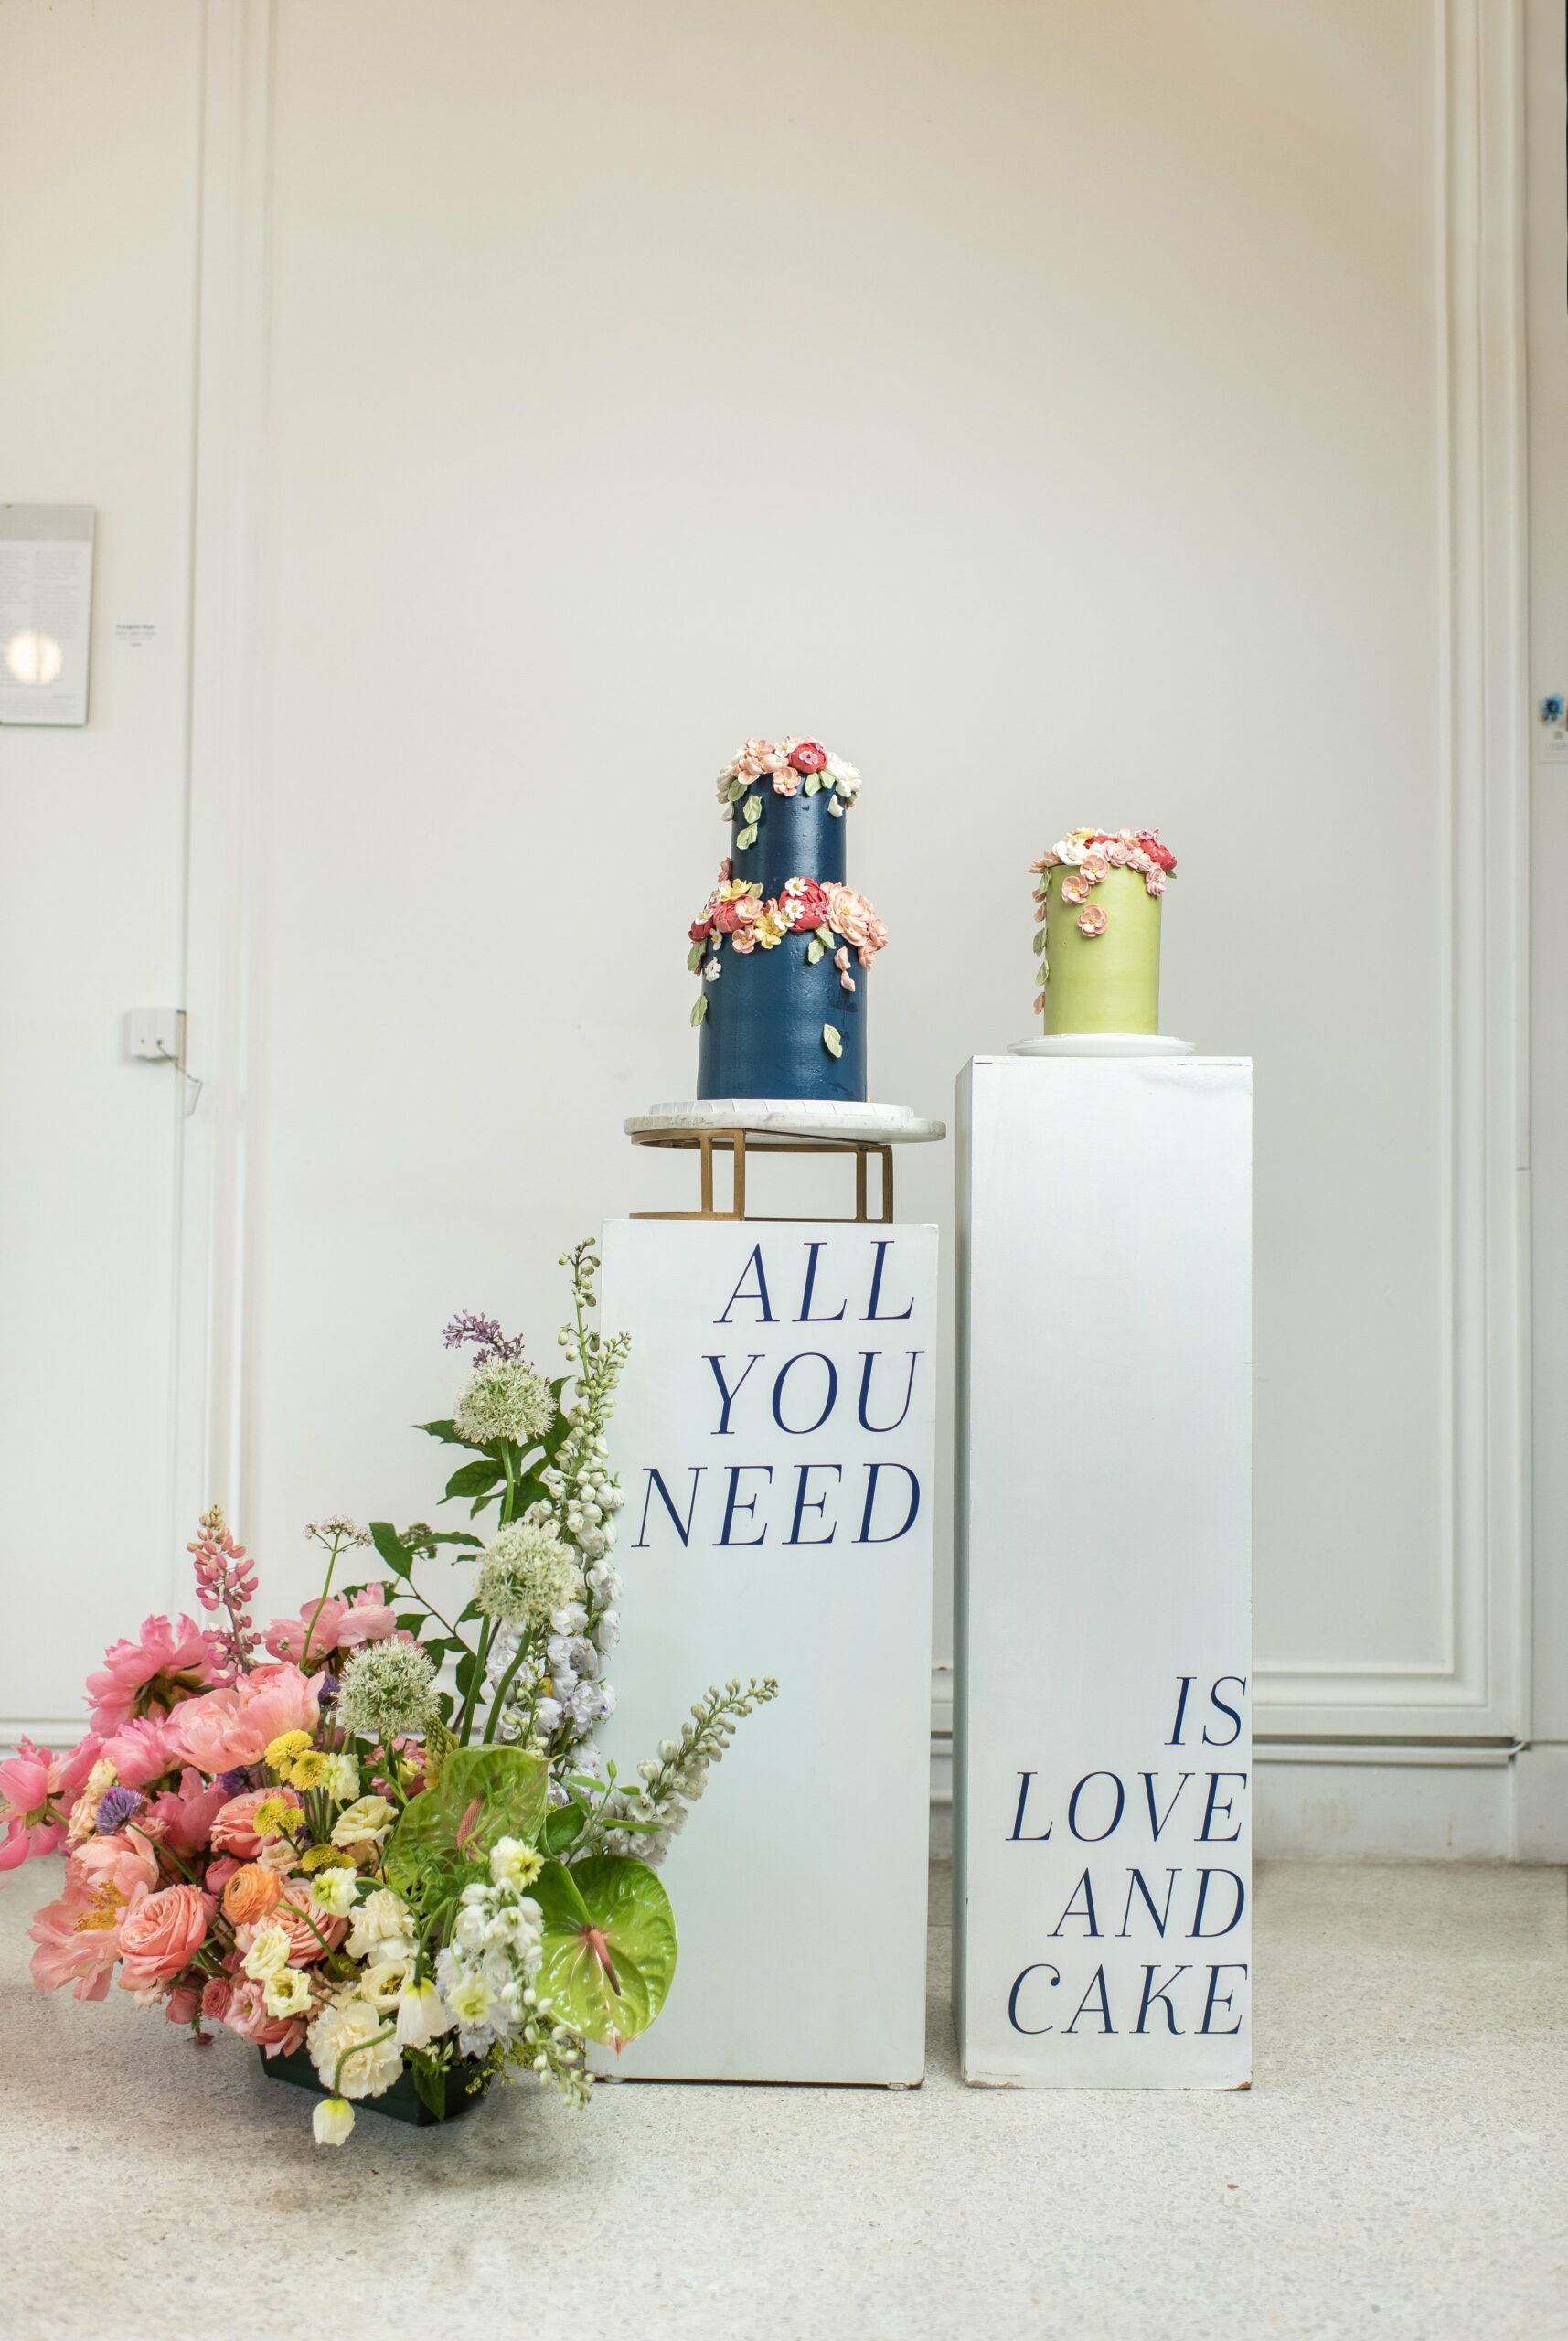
(156, 1032)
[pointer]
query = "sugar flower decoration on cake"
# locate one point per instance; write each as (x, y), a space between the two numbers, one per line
(831, 919)
(785, 767)
(1088, 857)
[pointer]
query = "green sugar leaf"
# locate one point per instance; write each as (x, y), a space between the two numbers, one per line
(815, 950)
(743, 838)
(752, 809)
(813, 783)
(831, 1041)
(700, 1008)
(694, 957)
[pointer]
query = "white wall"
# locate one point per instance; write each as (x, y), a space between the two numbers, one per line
(1069, 413)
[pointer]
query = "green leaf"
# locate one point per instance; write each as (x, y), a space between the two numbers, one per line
(752, 809)
(430, 2082)
(815, 950)
(825, 936)
(472, 1479)
(563, 1828)
(1040, 939)
(487, 1792)
(390, 1546)
(445, 1431)
(737, 788)
(700, 1009)
(458, 1536)
(694, 957)
(609, 1946)
(813, 783)
(832, 1041)
(746, 837)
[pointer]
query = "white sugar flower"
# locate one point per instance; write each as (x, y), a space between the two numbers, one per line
(505, 1399)
(347, 2054)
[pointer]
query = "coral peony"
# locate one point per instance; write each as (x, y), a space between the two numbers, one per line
(160, 1935)
(141, 1751)
(171, 1663)
(36, 1792)
(126, 1862)
(182, 1817)
(334, 1624)
(78, 1936)
(229, 1728)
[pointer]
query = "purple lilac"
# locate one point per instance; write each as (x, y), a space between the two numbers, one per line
(486, 1333)
(236, 1782)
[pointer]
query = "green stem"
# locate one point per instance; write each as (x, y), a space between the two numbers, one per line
(465, 1720)
(358, 2048)
(510, 1498)
(505, 1685)
(326, 1588)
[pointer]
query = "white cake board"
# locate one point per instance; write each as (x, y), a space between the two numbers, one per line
(774, 1539)
(1100, 1044)
(1102, 1740)
(792, 1117)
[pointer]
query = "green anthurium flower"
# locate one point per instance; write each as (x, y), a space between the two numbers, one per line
(609, 1946)
(484, 1794)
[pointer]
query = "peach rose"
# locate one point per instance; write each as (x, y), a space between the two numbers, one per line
(249, 1894)
(233, 1826)
(160, 1934)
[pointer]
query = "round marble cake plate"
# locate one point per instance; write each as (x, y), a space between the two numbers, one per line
(1102, 1044)
(791, 1117)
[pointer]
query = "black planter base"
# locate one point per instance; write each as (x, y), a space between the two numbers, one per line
(401, 2103)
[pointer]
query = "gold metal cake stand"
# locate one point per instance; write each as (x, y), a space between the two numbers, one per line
(737, 1142)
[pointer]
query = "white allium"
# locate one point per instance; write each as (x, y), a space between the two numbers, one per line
(386, 1691)
(505, 1399)
(524, 1575)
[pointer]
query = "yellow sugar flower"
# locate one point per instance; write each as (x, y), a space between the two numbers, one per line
(281, 1751)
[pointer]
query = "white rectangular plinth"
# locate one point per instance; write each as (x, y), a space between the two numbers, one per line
(774, 1437)
(1102, 1732)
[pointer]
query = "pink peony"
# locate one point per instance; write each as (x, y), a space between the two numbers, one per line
(78, 1936)
(247, 2014)
(182, 1817)
(36, 1792)
(125, 1861)
(229, 1728)
(172, 1662)
(233, 1829)
(160, 1934)
(140, 1752)
(334, 1624)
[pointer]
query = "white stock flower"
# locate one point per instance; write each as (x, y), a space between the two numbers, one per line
(346, 2032)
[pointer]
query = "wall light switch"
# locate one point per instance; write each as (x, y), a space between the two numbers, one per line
(1552, 730)
(156, 1032)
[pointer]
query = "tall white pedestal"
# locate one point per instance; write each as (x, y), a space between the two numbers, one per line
(1102, 1751)
(774, 1437)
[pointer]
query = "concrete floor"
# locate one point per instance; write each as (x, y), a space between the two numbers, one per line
(1401, 2167)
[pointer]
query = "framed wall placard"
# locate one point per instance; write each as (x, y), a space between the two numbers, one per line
(45, 611)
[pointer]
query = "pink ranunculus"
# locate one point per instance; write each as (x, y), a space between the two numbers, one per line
(78, 1936)
(229, 1728)
(160, 1934)
(247, 2014)
(232, 1829)
(334, 1624)
(172, 1662)
(809, 755)
(182, 1817)
(141, 1751)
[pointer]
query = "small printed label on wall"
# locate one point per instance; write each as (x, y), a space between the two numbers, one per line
(136, 633)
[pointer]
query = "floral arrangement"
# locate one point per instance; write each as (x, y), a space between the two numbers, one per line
(786, 766)
(371, 1836)
(1089, 857)
(833, 918)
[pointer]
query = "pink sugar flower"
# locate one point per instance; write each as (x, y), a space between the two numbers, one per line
(1091, 920)
(786, 780)
(1074, 888)
(1095, 867)
(1154, 882)
(160, 1934)
(171, 1663)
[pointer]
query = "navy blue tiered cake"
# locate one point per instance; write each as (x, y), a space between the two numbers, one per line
(783, 944)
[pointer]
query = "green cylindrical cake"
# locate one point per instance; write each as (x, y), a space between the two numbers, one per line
(1098, 918)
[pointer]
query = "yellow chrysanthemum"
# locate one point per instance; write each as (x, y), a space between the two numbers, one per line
(281, 1751)
(325, 1857)
(276, 1817)
(309, 1770)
